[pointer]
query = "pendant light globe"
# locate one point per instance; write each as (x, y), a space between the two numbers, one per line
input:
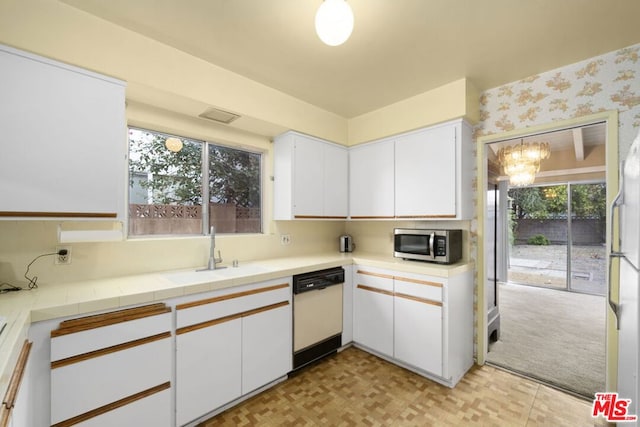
(334, 22)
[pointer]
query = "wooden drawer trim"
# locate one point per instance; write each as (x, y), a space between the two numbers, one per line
(419, 282)
(371, 289)
(368, 273)
(265, 308)
(4, 416)
(372, 217)
(229, 318)
(230, 296)
(59, 214)
(318, 217)
(16, 378)
(418, 299)
(108, 350)
(114, 405)
(426, 216)
(400, 278)
(99, 320)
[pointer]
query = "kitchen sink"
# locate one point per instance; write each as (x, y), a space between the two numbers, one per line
(204, 276)
(241, 270)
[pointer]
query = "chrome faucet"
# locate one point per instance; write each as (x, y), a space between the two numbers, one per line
(213, 261)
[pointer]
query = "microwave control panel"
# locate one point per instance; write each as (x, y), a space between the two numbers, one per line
(440, 246)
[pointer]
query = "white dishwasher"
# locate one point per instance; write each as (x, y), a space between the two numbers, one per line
(317, 315)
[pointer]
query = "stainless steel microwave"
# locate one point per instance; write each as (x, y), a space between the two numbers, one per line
(441, 246)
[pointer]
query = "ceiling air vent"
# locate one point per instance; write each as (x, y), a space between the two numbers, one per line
(219, 116)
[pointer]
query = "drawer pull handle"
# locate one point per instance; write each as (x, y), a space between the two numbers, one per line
(16, 378)
(104, 351)
(376, 290)
(418, 299)
(231, 296)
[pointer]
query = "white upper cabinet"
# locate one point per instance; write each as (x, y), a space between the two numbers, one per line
(423, 174)
(310, 178)
(371, 178)
(66, 143)
(336, 185)
(433, 173)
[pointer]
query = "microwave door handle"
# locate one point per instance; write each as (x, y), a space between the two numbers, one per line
(432, 238)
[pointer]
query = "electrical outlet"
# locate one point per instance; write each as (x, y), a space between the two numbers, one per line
(285, 239)
(63, 259)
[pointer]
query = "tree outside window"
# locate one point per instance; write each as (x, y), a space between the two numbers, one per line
(166, 187)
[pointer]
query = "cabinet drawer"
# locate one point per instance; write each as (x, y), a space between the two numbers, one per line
(153, 410)
(420, 288)
(377, 279)
(69, 341)
(90, 381)
(232, 303)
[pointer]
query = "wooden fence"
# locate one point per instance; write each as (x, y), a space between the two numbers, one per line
(177, 219)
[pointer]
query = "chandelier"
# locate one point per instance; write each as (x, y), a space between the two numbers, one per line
(521, 162)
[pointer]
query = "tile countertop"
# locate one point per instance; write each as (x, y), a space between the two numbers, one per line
(78, 298)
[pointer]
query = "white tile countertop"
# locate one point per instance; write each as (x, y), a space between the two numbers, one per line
(55, 301)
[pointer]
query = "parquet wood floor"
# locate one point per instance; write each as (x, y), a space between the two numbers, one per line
(354, 388)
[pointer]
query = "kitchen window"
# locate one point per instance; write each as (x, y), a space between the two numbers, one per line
(170, 177)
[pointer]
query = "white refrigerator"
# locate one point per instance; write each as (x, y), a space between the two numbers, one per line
(628, 203)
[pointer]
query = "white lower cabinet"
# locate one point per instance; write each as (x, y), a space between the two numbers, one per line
(230, 343)
(266, 347)
(113, 366)
(417, 333)
(373, 310)
(208, 368)
(421, 322)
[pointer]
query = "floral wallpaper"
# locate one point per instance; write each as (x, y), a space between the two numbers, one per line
(607, 82)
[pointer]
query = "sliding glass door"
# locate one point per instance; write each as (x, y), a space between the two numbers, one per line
(558, 237)
(587, 238)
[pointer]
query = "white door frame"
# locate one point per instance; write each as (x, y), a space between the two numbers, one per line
(612, 177)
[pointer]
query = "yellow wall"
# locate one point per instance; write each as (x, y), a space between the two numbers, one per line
(453, 100)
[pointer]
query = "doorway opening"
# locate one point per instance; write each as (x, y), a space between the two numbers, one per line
(545, 249)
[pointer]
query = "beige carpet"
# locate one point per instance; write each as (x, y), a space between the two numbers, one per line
(556, 336)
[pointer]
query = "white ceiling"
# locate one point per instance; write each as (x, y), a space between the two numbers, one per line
(399, 48)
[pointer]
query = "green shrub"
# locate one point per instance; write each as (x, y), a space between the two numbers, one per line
(538, 239)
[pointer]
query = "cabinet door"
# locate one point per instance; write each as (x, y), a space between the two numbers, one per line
(308, 173)
(418, 333)
(208, 369)
(425, 173)
(336, 179)
(68, 147)
(373, 311)
(371, 177)
(266, 347)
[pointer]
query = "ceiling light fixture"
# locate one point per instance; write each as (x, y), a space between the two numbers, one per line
(173, 144)
(334, 22)
(521, 162)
